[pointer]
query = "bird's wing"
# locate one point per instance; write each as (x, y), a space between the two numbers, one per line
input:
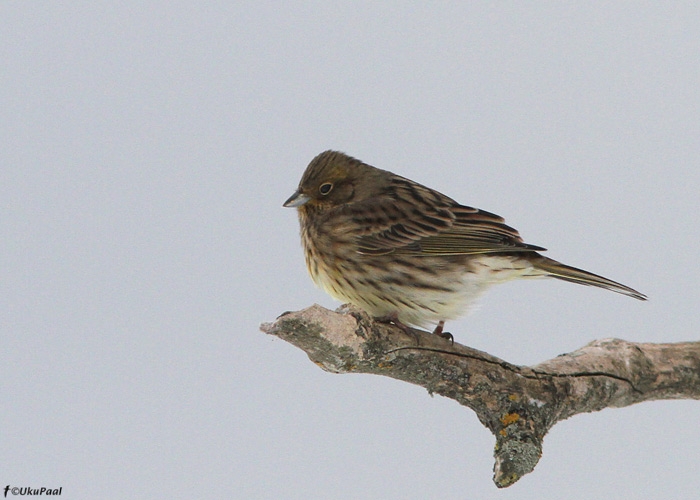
(475, 231)
(417, 220)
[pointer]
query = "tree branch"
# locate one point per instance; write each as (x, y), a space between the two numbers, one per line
(518, 404)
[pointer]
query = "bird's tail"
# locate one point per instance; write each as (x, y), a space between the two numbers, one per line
(567, 273)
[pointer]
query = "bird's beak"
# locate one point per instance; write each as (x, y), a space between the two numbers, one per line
(296, 200)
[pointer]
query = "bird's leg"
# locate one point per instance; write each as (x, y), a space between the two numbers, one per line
(393, 318)
(440, 333)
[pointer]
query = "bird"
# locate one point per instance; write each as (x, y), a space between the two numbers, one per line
(406, 253)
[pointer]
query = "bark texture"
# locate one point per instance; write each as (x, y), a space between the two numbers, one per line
(518, 404)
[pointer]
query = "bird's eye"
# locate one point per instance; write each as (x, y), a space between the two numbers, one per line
(325, 188)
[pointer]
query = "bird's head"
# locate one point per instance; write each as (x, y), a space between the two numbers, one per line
(333, 179)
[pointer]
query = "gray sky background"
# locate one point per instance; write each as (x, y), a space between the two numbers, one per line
(147, 149)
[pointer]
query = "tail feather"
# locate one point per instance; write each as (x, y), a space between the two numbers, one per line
(567, 273)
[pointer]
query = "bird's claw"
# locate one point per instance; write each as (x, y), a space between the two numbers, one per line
(440, 333)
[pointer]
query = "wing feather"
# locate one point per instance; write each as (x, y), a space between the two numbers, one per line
(411, 218)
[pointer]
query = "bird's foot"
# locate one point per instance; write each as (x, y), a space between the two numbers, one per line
(394, 320)
(440, 333)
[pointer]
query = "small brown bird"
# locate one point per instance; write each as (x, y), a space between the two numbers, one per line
(407, 253)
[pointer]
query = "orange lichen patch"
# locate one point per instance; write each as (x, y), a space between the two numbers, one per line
(509, 418)
(506, 420)
(513, 397)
